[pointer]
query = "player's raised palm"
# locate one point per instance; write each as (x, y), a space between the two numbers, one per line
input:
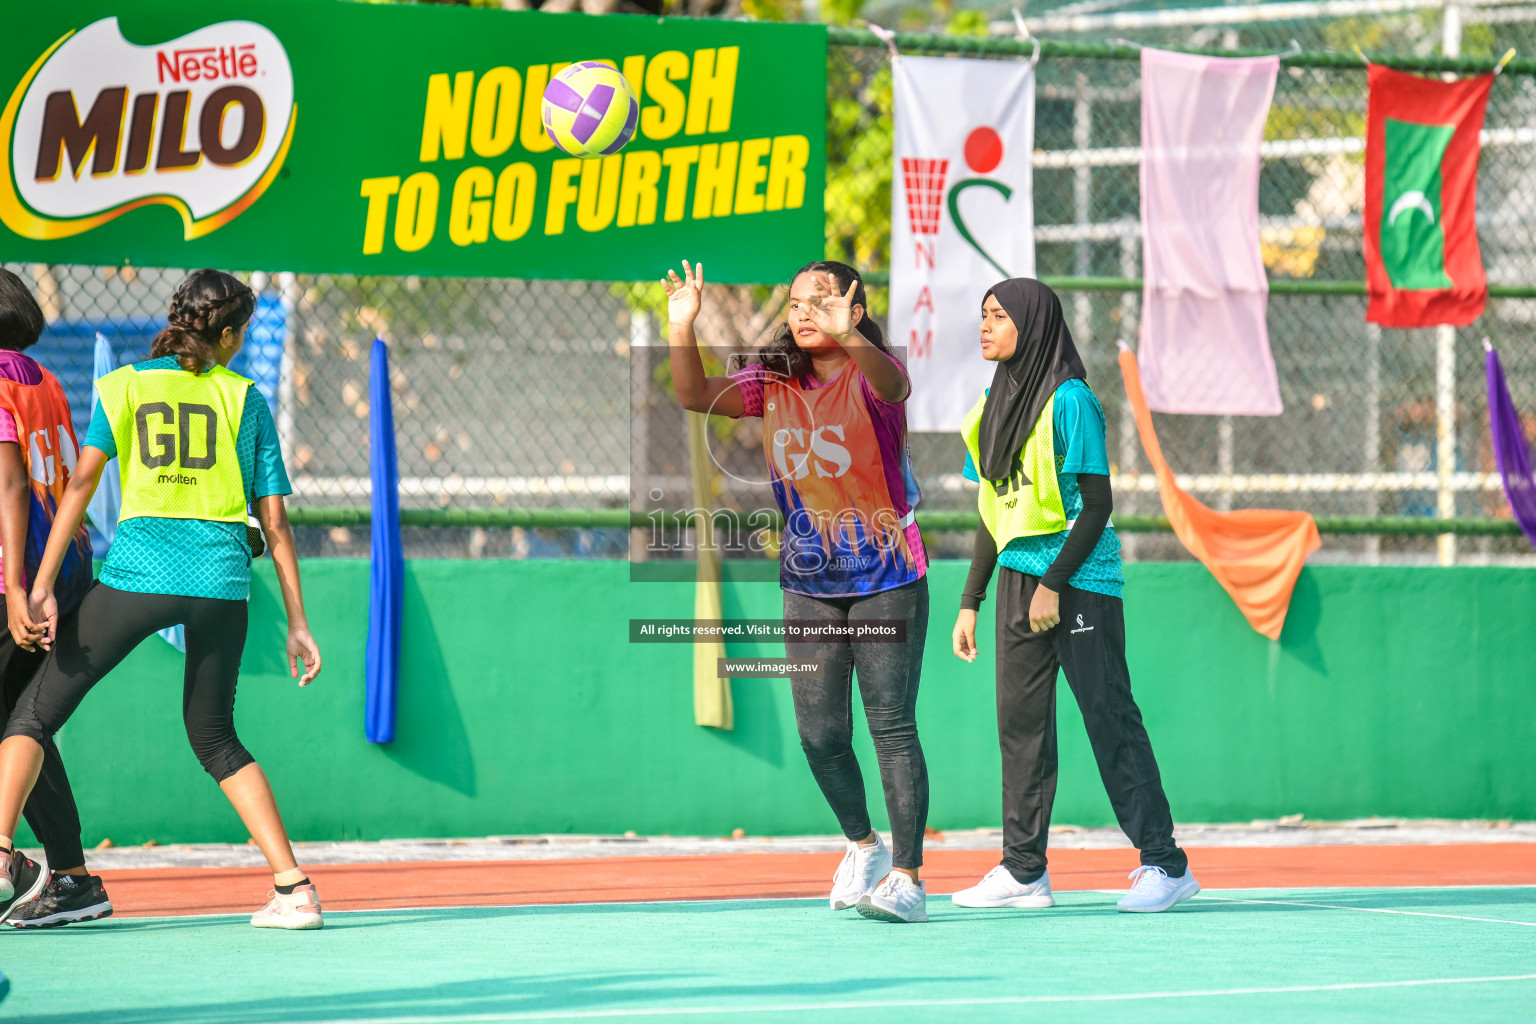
(833, 314)
(684, 294)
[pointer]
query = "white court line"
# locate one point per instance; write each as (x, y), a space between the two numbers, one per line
(895, 1004)
(530, 906)
(1368, 910)
(1204, 894)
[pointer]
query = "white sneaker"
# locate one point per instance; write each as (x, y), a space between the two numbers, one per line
(897, 899)
(1153, 892)
(998, 888)
(859, 873)
(297, 911)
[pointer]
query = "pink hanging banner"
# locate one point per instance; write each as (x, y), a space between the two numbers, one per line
(1204, 344)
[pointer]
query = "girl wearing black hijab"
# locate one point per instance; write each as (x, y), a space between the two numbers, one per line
(1035, 444)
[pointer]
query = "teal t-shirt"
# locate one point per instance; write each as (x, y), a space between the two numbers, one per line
(194, 557)
(1078, 423)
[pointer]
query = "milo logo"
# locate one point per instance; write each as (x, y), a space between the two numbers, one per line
(99, 126)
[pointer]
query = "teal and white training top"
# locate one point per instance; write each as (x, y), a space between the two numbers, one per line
(1078, 421)
(194, 557)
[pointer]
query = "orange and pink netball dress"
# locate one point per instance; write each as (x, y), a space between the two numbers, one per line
(837, 458)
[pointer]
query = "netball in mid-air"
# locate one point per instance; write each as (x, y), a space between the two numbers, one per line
(590, 109)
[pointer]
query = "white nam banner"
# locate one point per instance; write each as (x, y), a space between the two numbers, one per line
(962, 219)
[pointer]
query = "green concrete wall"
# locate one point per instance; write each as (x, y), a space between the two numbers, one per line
(1393, 691)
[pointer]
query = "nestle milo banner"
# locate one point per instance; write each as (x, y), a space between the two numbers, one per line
(305, 135)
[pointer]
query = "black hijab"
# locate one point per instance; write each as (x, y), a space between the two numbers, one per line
(1044, 359)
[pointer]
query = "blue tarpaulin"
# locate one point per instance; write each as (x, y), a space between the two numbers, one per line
(388, 573)
(108, 498)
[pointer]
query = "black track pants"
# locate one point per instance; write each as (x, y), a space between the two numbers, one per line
(1088, 645)
(107, 626)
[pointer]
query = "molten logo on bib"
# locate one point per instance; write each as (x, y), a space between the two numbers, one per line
(99, 126)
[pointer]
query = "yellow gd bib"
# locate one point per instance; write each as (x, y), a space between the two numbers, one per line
(1028, 503)
(175, 434)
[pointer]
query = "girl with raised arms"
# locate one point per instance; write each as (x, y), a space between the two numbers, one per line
(834, 437)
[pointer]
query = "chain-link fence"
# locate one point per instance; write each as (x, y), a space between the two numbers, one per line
(506, 394)
(522, 394)
(1368, 413)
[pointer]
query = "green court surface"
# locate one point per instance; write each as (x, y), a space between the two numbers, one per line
(1463, 954)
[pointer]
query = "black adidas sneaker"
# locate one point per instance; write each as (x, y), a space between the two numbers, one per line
(65, 900)
(26, 877)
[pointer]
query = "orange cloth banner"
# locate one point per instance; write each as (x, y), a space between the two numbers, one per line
(1255, 554)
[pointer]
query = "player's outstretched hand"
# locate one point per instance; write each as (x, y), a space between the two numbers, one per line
(302, 648)
(685, 295)
(833, 314)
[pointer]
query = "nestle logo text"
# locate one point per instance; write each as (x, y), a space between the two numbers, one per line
(206, 63)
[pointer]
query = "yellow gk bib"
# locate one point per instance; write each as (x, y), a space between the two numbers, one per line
(1028, 503)
(175, 434)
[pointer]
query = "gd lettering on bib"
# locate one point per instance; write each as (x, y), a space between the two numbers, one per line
(175, 434)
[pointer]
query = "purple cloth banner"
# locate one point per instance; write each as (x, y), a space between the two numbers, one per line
(1510, 448)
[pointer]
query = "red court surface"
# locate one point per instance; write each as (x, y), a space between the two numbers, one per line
(157, 892)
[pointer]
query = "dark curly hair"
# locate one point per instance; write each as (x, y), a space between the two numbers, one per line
(782, 348)
(204, 304)
(21, 319)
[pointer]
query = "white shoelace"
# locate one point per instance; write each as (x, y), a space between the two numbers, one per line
(844, 873)
(1148, 876)
(864, 854)
(855, 862)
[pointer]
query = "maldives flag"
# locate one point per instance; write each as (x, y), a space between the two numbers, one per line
(1422, 264)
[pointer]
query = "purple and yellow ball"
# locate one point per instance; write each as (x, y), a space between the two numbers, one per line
(590, 109)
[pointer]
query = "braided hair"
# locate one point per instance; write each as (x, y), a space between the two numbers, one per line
(782, 348)
(205, 304)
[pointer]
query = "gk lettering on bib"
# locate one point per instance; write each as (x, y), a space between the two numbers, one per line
(175, 434)
(1029, 502)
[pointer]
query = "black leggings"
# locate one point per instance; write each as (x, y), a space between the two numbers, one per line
(888, 678)
(107, 626)
(50, 810)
